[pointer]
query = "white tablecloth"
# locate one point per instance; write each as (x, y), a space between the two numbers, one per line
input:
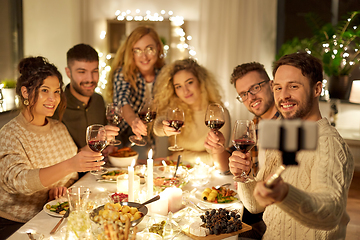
(42, 223)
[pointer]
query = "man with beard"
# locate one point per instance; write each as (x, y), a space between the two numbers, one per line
(84, 106)
(309, 200)
(253, 86)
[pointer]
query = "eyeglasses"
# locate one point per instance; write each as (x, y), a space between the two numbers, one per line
(149, 51)
(243, 96)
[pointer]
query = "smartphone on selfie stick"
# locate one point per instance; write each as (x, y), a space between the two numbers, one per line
(289, 137)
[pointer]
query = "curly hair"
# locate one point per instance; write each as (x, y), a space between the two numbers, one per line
(241, 70)
(33, 71)
(309, 65)
(125, 58)
(165, 95)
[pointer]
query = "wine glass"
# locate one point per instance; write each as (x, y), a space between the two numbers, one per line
(96, 140)
(244, 139)
(146, 114)
(176, 118)
(214, 116)
(114, 117)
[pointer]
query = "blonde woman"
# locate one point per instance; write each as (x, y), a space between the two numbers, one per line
(132, 76)
(187, 85)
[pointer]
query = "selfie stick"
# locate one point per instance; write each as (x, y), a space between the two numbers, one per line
(288, 136)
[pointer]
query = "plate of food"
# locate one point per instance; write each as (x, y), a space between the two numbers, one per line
(112, 174)
(213, 195)
(57, 207)
(164, 177)
(168, 162)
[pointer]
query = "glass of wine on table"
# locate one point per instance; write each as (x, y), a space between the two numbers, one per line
(114, 117)
(176, 118)
(215, 117)
(96, 140)
(147, 114)
(244, 139)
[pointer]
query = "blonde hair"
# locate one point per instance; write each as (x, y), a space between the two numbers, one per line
(125, 58)
(165, 95)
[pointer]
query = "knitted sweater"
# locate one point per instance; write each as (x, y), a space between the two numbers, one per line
(193, 144)
(315, 206)
(25, 148)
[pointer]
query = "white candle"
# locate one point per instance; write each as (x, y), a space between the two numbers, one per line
(150, 177)
(174, 199)
(160, 206)
(131, 182)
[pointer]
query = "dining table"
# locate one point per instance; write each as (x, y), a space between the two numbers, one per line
(41, 225)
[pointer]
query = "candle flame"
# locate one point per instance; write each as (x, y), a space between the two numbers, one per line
(133, 163)
(150, 154)
(164, 163)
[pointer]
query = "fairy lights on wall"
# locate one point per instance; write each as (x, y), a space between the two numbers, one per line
(176, 22)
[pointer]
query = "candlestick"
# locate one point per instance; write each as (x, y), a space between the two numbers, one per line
(131, 182)
(150, 176)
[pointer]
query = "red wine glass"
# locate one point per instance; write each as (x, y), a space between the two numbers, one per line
(214, 116)
(96, 140)
(176, 118)
(244, 138)
(114, 117)
(147, 114)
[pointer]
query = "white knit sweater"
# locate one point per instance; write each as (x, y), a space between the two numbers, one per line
(25, 148)
(315, 207)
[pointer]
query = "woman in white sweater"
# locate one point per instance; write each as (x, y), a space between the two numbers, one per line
(186, 85)
(38, 157)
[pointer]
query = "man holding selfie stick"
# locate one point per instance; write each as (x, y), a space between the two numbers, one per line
(309, 200)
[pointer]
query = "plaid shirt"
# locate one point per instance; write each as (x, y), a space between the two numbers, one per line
(255, 150)
(125, 94)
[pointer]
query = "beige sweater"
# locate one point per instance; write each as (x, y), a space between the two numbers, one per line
(315, 207)
(25, 148)
(193, 144)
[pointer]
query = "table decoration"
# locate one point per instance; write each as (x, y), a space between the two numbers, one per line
(123, 185)
(200, 173)
(160, 206)
(150, 178)
(174, 196)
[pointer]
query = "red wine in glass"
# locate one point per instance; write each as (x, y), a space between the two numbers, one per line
(147, 117)
(243, 145)
(97, 141)
(97, 145)
(244, 139)
(176, 119)
(177, 124)
(215, 124)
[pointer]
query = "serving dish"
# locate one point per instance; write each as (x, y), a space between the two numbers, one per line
(198, 196)
(164, 177)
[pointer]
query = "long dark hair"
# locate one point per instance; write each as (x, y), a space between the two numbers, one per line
(33, 71)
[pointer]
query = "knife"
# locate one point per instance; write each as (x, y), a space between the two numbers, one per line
(58, 224)
(177, 165)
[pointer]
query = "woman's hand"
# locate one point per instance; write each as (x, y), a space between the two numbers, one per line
(86, 160)
(215, 141)
(240, 162)
(138, 127)
(267, 196)
(169, 131)
(56, 192)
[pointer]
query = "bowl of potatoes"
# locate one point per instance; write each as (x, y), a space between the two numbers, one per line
(119, 213)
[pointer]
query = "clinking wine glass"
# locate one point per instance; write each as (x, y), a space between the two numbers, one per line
(244, 139)
(114, 117)
(96, 140)
(147, 114)
(176, 118)
(214, 117)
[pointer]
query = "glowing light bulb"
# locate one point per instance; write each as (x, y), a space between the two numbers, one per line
(128, 11)
(117, 12)
(189, 37)
(171, 13)
(162, 11)
(137, 10)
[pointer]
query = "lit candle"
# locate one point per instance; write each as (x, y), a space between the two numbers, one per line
(150, 177)
(131, 181)
(160, 206)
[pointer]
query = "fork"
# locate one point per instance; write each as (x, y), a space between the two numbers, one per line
(200, 208)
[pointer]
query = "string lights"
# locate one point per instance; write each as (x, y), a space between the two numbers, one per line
(126, 16)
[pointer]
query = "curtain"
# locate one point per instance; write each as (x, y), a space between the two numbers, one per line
(233, 32)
